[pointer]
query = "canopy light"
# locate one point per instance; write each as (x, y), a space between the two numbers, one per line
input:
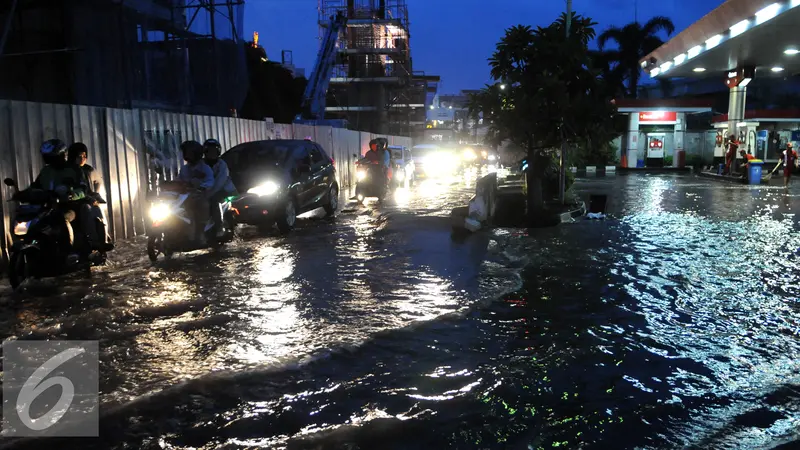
(740, 27)
(795, 3)
(791, 51)
(713, 42)
(777, 69)
(680, 59)
(767, 13)
(655, 72)
(696, 50)
(745, 82)
(699, 69)
(644, 64)
(741, 124)
(665, 67)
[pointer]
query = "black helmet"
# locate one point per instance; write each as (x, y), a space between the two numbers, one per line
(192, 151)
(54, 151)
(212, 149)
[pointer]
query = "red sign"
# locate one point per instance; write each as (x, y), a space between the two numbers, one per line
(658, 116)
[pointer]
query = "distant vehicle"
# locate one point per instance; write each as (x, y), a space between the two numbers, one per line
(435, 161)
(281, 179)
(371, 180)
(478, 155)
(404, 168)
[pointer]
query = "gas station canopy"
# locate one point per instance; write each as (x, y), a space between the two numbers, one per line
(757, 34)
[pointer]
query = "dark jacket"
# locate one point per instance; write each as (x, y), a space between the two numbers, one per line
(69, 175)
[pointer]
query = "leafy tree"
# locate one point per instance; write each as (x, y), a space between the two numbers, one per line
(634, 42)
(274, 91)
(547, 91)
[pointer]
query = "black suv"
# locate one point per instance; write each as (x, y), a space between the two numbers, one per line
(281, 179)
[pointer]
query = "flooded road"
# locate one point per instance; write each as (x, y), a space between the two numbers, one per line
(674, 323)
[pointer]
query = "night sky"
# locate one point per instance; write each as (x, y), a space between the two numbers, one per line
(453, 38)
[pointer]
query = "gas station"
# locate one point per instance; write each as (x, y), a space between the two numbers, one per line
(739, 41)
(657, 129)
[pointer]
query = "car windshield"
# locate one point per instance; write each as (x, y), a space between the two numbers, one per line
(397, 153)
(258, 155)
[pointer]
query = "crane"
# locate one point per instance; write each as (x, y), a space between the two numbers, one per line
(314, 98)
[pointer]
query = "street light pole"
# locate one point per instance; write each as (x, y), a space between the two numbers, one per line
(562, 173)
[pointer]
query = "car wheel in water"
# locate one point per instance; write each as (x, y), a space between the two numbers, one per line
(287, 218)
(21, 266)
(333, 201)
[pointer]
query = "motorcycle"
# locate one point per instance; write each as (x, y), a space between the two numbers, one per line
(171, 225)
(370, 181)
(43, 240)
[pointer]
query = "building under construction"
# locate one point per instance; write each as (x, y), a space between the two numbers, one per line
(182, 55)
(373, 85)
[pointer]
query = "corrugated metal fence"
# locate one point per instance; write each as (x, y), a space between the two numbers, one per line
(132, 148)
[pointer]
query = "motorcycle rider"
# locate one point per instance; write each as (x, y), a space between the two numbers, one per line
(379, 153)
(70, 184)
(77, 154)
(197, 174)
(223, 185)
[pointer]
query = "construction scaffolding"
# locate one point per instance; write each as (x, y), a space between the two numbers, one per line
(181, 55)
(373, 85)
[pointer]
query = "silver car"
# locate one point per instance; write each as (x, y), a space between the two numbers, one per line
(403, 165)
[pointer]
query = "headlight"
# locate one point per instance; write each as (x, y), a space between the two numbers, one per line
(159, 212)
(492, 157)
(21, 228)
(400, 175)
(484, 153)
(267, 188)
(361, 174)
(469, 154)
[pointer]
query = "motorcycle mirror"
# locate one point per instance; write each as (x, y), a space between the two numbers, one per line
(355, 156)
(9, 182)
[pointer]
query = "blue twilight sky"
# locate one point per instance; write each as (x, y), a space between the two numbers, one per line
(454, 38)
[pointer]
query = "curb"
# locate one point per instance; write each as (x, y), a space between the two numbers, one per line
(570, 216)
(726, 178)
(594, 171)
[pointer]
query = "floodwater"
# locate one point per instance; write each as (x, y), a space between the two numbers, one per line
(673, 323)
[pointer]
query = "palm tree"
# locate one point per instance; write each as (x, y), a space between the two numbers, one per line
(634, 42)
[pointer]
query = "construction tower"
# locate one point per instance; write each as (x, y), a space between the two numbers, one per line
(373, 85)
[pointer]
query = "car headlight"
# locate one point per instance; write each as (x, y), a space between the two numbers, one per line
(469, 154)
(159, 212)
(267, 188)
(400, 175)
(21, 228)
(361, 174)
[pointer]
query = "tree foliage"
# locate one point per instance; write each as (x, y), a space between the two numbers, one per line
(633, 42)
(548, 90)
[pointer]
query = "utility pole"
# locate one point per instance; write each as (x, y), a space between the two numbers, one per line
(562, 173)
